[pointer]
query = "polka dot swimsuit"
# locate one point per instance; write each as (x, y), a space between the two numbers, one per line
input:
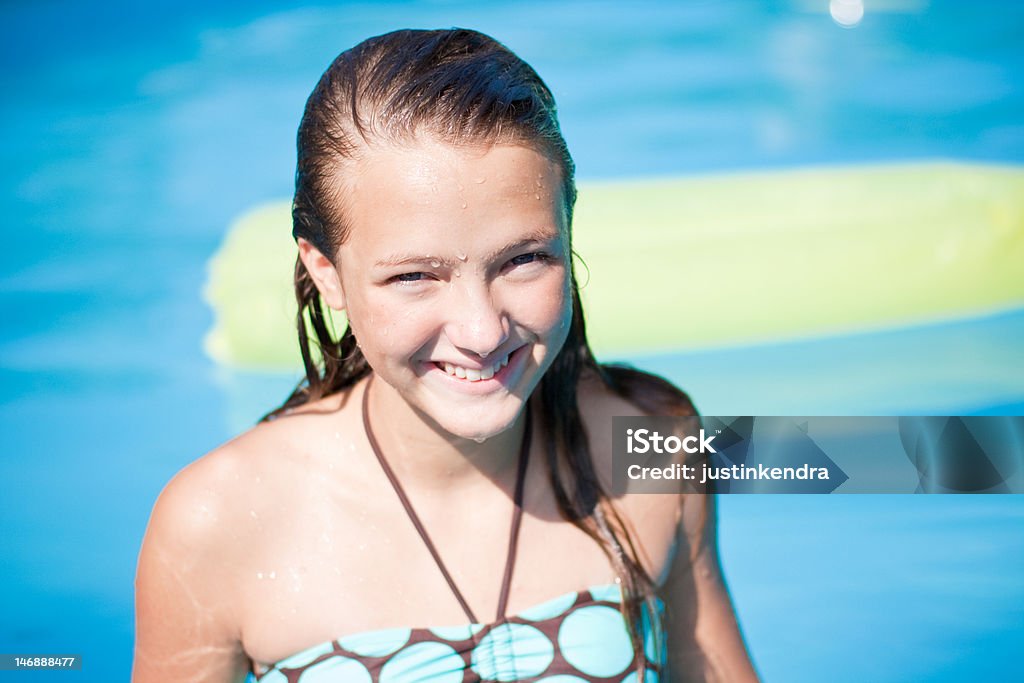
(575, 637)
(570, 639)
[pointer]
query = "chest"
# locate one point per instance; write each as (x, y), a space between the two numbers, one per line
(321, 569)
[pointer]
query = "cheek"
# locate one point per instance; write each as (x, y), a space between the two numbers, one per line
(385, 326)
(546, 308)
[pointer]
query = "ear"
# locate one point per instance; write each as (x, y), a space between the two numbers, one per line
(325, 275)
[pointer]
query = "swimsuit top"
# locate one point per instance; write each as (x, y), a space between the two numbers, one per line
(571, 638)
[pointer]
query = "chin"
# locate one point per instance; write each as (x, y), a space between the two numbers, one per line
(481, 424)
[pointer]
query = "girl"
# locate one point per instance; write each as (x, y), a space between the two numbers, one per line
(431, 503)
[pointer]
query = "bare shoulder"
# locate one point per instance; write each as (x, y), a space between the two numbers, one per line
(633, 394)
(653, 518)
(209, 500)
(194, 522)
(186, 606)
(650, 394)
(197, 502)
(599, 403)
(204, 533)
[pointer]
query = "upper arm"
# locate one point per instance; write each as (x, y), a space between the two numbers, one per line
(704, 639)
(186, 625)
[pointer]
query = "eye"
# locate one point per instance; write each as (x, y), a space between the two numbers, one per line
(409, 277)
(532, 257)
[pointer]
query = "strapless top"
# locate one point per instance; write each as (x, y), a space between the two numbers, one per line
(575, 637)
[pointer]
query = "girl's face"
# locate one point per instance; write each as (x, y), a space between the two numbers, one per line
(455, 278)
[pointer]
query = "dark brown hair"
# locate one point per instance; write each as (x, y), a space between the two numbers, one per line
(464, 88)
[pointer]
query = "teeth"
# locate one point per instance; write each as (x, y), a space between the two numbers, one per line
(475, 375)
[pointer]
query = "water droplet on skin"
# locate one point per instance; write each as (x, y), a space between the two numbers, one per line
(481, 179)
(479, 439)
(436, 264)
(461, 257)
(384, 331)
(272, 575)
(252, 513)
(259, 575)
(463, 205)
(458, 273)
(536, 195)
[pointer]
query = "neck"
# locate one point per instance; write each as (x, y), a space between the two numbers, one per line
(424, 455)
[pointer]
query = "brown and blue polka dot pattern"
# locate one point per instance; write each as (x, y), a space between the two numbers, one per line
(569, 639)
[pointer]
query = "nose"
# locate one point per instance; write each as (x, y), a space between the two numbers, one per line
(477, 324)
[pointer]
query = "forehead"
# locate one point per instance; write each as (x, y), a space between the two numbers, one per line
(431, 190)
(425, 162)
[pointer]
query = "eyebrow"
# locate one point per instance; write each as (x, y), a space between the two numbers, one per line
(536, 237)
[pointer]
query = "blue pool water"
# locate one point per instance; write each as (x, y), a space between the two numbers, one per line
(134, 133)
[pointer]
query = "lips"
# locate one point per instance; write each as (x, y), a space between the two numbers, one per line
(473, 374)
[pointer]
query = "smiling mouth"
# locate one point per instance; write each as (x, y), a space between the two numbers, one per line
(474, 374)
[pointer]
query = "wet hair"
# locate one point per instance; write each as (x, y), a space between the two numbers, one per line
(463, 88)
